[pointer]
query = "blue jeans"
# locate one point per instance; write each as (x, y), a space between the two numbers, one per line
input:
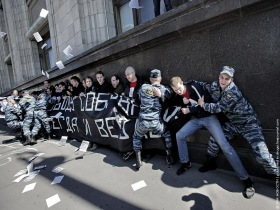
(214, 127)
(252, 132)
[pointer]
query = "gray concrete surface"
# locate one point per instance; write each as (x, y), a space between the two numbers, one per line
(100, 179)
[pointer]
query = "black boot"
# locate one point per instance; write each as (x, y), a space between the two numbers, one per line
(184, 167)
(209, 165)
(249, 190)
(27, 141)
(47, 136)
(169, 158)
(138, 159)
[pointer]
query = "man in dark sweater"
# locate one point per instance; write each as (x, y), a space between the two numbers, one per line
(133, 83)
(102, 85)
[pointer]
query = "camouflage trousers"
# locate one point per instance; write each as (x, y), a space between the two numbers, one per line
(15, 124)
(253, 134)
(144, 126)
(41, 117)
(26, 124)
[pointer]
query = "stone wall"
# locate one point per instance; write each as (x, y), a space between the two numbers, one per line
(81, 24)
(5, 69)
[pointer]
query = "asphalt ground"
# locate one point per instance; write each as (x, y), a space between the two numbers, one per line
(101, 179)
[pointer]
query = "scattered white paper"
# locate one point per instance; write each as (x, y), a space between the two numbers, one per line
(47, 75)
(2, 34)
(44, 13)
(60, 65)
(84, 146)
(37, 37)
(63, 139)
(52, 200)
(20, 178)
(57, 170)
(31, 176)
(134, 4)
(23, 171)
(43, 73)
(57, 179)
(37, 155)
(40, 167)
(30, 167)
(57, 116)
(138, 185)
(29, 187)
(44, 45)
(2, 116)
(67, 50)
(205, 181)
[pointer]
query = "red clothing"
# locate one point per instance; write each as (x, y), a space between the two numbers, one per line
(133, 84)
(186, 94)
(131, 89)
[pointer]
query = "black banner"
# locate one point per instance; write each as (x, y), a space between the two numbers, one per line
(101, 118)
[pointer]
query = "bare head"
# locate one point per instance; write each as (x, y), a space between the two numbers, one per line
(177, 85)
(46, 84)
(115, 80)
(130, 74)
(15, 92)
(75, 81)
(100, 77)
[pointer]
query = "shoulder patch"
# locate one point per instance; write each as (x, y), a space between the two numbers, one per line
(149, 92)
(216, 93)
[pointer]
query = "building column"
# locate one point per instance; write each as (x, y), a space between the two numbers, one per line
(24, 53)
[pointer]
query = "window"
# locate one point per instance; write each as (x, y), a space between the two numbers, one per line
(127, 18)
(147, 12)
(46, 54)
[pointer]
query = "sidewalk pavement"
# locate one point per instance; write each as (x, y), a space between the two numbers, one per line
(101, 179)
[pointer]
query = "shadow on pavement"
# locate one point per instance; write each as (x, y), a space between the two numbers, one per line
(200, 201)
(192, 178)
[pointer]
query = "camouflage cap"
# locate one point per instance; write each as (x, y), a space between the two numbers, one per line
(228, 70)
(155, 73)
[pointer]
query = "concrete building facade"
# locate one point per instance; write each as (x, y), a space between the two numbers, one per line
(81, 24)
